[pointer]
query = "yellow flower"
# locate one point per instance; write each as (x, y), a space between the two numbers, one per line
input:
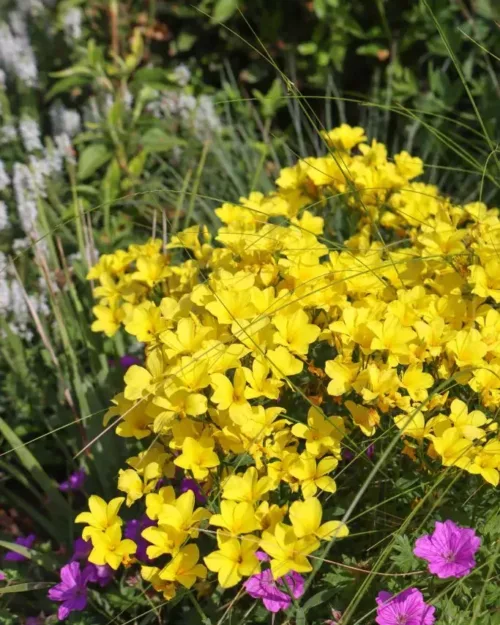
(155, 501)
(234, 559)
(344, 137)
(283, 364)
(306, 516)
(260, 385)
(146, 323)
(230, 396)
(109, 548)
(413, 424)
(101, 516)
(130, 482)
(367, 419)
(164, 539)
(151, 574)
(321, 435)
(247, 487)
(416, 382)
(468, 348)
(198, 456)
(236, 518)
(295, 332)
(181, 515)
(469, 424)
(453, 448)
(184, 567)
(342, 375)
(108, 320)
(287, 551)
(312, 476)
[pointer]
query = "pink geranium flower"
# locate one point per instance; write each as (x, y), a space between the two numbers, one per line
(449, 550)
(406, 608)
(274, 593)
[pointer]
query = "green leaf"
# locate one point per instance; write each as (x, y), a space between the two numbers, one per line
(300, 617)
(59, 507)
(136, 165)
(23, 551)
(404, 558)
(151, 75)
(47, 561)
(319, 598)
(111, 182)
(320, 8)
(224, 9)
(370, 49)
(92, 157)
(156, 140)
(65, 84)
(25, 587)
(74, 70)
(307, 48)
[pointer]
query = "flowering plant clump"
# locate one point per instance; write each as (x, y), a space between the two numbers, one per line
(271, 351)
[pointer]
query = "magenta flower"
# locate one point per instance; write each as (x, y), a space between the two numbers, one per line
(3, 577)
(406, 608)
(71, 592)
(24, 541)
(74, 482)
(274, 593)
(449, 550)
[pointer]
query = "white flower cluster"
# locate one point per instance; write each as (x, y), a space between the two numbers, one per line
(4, 216)
(16, 53)
(13, 305)
(197, 115)
(182, 75)
(72, 24)
(64, 121)
(30, 134)
(26, 192)
(4, 177)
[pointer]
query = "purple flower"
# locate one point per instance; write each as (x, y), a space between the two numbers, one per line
(33, 620)
(274, 593)
(133, 530)
(81, 549)
(190, 484)
(262, 556)
(406, 608)
(24, 541)
(348, 455)
(449, 550)
(74, 482)
(125, 361)
(3, 577)
(71, 592)
(100, 574)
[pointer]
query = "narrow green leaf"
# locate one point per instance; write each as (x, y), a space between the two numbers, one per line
(58, 504)
(25, 587)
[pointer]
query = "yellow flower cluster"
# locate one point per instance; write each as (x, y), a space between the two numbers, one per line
(284, 339)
